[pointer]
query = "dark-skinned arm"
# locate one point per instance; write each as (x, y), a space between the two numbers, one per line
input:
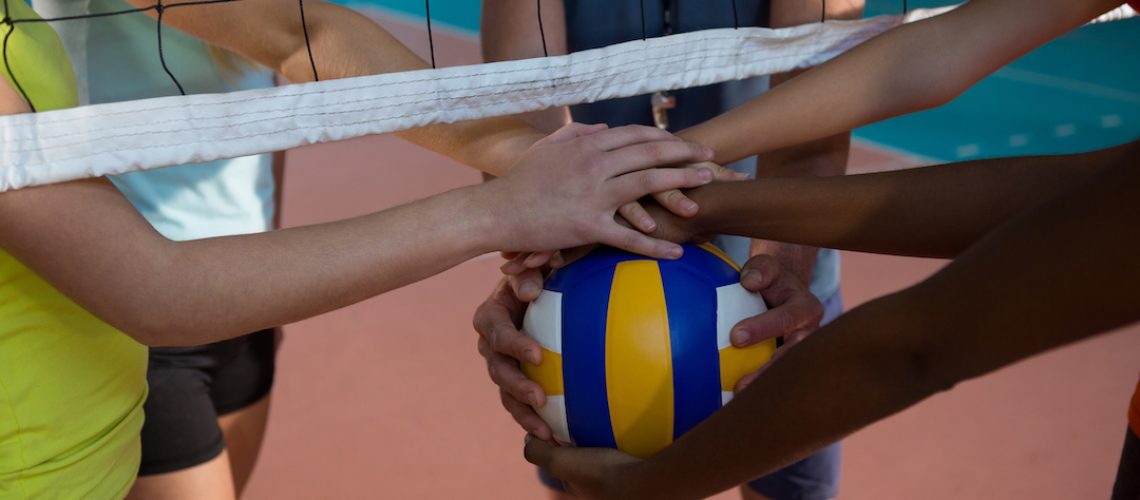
(1064, 271)
(932, 212)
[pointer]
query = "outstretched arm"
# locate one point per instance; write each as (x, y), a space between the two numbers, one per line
(85, 238)
(933, 212)
(910, 68)
(1054, 275)
(344, 44)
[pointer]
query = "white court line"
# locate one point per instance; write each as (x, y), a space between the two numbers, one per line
(968, 150)
(1068, 84)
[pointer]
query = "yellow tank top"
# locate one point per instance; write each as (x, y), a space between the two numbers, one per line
(71, 386)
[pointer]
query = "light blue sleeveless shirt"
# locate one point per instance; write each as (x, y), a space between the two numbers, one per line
(116, 59)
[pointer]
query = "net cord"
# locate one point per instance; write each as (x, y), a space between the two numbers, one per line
(107, 139)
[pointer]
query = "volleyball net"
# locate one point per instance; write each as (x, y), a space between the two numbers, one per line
(107, 139)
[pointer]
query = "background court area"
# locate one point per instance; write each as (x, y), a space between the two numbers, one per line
(388, 399)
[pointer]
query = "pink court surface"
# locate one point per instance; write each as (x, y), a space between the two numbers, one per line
(388, 398)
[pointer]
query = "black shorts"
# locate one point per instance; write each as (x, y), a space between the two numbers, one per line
(190, 387)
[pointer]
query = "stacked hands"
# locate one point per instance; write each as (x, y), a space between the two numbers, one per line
(618, 167)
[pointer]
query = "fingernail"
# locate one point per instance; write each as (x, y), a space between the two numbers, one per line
(648, 224)
(534, 399)
(741, 176)
(688, 206)
(528, 289)
(557, 261)
(705, 174)
(527, 438)
(738, 337)
(675, 252)
(750, 277)
(708, 151)
(533, 356)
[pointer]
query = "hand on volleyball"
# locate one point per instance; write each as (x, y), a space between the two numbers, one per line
(593, 473)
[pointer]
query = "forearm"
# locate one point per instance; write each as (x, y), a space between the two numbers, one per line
(820, 158)
(1061, 273)
(910, 68)
(509, 30)
(194, 292)
(934, 211)
(795, 407)
(344, 44)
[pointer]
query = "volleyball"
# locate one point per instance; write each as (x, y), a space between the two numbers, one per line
(636, 351)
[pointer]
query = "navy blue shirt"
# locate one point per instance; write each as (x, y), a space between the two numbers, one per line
(592, 24)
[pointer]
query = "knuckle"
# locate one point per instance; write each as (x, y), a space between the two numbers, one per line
(594, 162)
(815, 312)
(647, 181)
(631, 240)
(499, 337)
(498, 372)
(656, 152)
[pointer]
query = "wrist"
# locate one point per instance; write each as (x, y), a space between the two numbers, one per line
(644, 479)
(512, 148)
(490, 226)
(715, 201)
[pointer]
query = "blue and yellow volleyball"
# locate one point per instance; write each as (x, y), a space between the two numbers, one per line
(636, 351)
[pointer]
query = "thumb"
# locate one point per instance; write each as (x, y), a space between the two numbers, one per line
(540, 453)
(746, 380)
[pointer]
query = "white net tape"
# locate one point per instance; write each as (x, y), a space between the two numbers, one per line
(108, 139)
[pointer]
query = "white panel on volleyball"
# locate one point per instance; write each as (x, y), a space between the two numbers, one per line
(554, 414)
(543, 320)
(725, 397)
(734, 303)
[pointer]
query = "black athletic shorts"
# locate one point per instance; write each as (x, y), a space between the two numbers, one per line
(190, 387)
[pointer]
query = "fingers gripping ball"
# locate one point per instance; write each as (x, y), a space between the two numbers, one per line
(636, 351)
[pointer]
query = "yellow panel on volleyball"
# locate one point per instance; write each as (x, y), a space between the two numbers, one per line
(639, 371)
(548, 373)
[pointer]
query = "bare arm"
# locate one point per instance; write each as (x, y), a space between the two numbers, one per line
(344, 44)
(910, 68)
(1062, 273)
(85, 238)
(1054, 275)
(818, 158)
(509, 30)
(935, 211)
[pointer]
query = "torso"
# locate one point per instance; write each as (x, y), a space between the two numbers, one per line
(115, 55)
(71, 386)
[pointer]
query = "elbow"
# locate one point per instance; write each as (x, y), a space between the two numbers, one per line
(934, 358)
(150, 330)
(928, 370)
(155, 321)
(935, 93)
(914, 358)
